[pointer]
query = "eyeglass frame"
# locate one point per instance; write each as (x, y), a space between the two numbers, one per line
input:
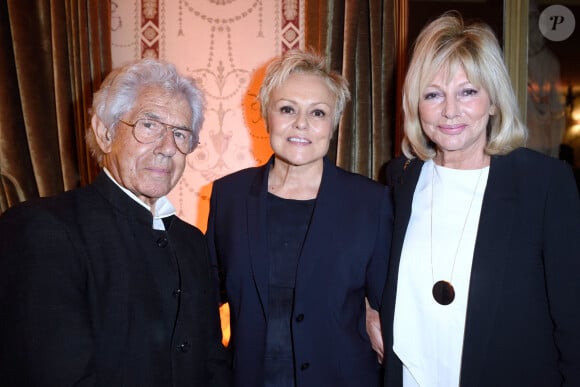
(173, 128)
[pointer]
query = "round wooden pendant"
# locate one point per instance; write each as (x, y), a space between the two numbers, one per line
(443, 292)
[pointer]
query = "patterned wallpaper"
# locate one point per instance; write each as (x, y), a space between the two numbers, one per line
(224, 44)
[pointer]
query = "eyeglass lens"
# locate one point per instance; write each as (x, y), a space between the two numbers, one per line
(148, 131)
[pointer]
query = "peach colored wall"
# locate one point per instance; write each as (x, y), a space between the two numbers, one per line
(224, 44)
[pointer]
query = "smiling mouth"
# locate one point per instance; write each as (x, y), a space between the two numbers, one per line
(452, 128)
(298, 140)
(159, 170)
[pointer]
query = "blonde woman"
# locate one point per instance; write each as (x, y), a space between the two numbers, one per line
(484, 276)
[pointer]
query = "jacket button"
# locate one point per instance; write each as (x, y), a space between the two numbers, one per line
(177, 292)
(304, 366)
(183, 347)
(162, 242)
(300, 317)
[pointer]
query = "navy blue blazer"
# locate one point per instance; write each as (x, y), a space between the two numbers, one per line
(344, 259)
(523, 316)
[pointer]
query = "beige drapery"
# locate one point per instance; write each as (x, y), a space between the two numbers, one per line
(358, 38)
(55, 53)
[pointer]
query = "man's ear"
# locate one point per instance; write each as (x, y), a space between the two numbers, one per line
(102, 134)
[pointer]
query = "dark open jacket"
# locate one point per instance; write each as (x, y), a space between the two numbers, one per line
(344, 259)
(523, 315)
(90, 295)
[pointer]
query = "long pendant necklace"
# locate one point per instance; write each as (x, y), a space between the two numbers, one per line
(443, 291)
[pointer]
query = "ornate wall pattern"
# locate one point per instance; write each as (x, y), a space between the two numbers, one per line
(224, 45)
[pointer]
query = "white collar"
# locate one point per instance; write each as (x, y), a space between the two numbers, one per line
(163, 207)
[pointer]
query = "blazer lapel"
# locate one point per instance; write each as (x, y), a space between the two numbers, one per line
(403, 188)
(257, 233)
(489, 261)
(318, 224)
(403, 192)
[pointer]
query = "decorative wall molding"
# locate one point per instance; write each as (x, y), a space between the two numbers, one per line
(224, 45)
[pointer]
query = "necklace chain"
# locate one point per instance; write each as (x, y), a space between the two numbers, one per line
(462, 229)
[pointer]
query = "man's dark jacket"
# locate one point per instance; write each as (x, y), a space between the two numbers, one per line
(91, 295)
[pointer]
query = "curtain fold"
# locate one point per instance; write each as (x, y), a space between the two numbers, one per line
(55, 54)
(358, 38)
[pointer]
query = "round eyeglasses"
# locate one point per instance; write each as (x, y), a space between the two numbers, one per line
(147, 131)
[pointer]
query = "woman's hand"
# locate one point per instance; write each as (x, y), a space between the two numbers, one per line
(374, 331)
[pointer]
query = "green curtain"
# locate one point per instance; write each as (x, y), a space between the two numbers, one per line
(358, 38)
(55, 54)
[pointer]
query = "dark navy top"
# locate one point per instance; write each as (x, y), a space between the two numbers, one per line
(288, 222)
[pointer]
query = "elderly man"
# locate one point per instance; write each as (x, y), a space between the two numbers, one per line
(104, 285)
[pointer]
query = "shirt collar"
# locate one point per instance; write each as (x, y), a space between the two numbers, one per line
(163, 207)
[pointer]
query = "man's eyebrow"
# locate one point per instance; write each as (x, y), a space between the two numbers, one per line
(154, 116)
(151, 115)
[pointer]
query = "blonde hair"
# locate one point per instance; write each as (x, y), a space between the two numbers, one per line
(304, 62)
(447, 43)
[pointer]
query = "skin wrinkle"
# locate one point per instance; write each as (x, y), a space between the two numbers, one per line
(454, 114)
(149, 170)
(300, 122)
